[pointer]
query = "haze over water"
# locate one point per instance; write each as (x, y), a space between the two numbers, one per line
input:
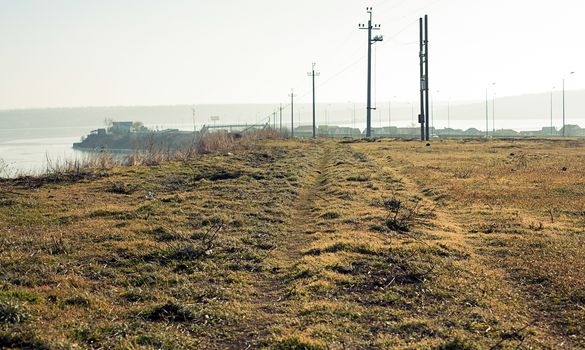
(29, 137)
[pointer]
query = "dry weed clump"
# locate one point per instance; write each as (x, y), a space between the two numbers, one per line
(402, 215)
(227, 142)
(4, 168)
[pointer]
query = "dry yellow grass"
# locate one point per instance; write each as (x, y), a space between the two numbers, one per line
(304, 245)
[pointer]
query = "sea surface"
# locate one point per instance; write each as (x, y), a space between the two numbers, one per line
(33, 155)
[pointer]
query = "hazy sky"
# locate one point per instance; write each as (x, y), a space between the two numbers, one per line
(151, 52)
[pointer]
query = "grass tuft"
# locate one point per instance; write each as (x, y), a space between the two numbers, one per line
(11, 312)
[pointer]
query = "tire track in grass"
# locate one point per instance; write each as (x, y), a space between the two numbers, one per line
(271, 307)
(499, 295)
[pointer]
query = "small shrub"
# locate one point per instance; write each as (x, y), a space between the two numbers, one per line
(162, 234)
(185, 252)
(11, 312)
(456, 344)
(56, 245)
(120, 188)
(218, 175)
(198, 246)
(360, 178)
(19, 295)
(20, 340)
(330, 215)
(4, 168)
(170, 312)
(463, 173)
(402, 216)
(76, 301)
(296, 344)
(135, 296)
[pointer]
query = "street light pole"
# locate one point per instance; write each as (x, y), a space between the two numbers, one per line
(494, 111)
(412, 115)
(551, 111)
(564, 124)
(353, 117)
(292, 113)
(564, 131)
(194, 125)
(487, 125)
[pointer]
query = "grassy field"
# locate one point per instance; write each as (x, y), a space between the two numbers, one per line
(314, 244)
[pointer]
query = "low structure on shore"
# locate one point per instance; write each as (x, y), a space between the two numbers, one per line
(121, 136)
(414, 132)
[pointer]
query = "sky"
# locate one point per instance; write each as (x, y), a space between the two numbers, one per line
(66, 53)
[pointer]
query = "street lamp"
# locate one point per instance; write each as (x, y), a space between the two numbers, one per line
(494, 110)
(487, 124)
(433, 109)
(564, 131)
(412, 114)
(390, 115)
(551, 111)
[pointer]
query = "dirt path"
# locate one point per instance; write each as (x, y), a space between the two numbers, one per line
(500, 293)
(271, 302)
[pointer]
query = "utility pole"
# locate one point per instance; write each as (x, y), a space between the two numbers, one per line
(380, 118)
(433, 107)
(424, 116)
(487, 125)
(564, 131)
(551, 111)
(371, 41)
(421, 116)
(494, 111)
(412, 114)
(494, 114)
(449, 113)
(194, 127)
(280, 108)
(427, 77)
(292, 112)
(353, 117)
(314, 74)
(389, 117)
(564, 124)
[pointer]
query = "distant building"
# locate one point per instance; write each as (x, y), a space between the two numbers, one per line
(572, 130)
(473, 132)
(326, 130)
(385, 131)
(99, 132)
(505, 133)
(549, 131)
(121, 127)
(449, 132)
(304, 131)
(407, 132)
(346, 132)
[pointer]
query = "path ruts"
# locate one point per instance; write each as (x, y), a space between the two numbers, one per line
(271, 303)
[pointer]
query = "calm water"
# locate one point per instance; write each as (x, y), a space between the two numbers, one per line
(27, 156)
